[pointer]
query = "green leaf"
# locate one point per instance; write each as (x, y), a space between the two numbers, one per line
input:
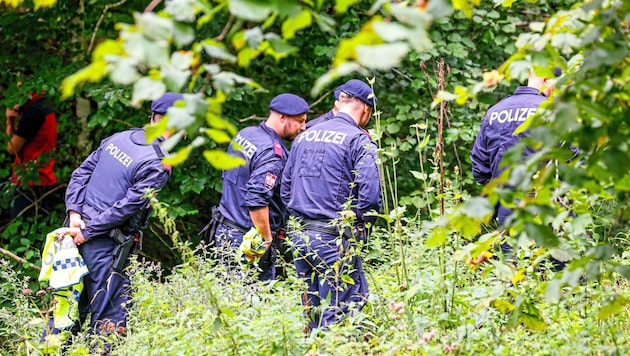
(155, 130)
(466, 226)
(173, 140)
(217, 50)
(218, 136)
(278, 46)
(293, 25)
(478, 207)
(624, 271)
(437, 237)
(614, 306)
(347, 279)
(180, 157)
(552, 290)
(124, 71)
(221, 160)
(532, 321)
(183, 34)
(146, 89)
(566, 117)
(174, 78)
(542, 234)
(341, 6)
(25, 242)
(383, 57)
(253, 10)
(217, 324)
(181, 10)
(418, 175)
(154, 27)
(391, 31)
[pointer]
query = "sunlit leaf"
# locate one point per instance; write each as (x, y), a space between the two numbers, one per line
(384, 56)
(218, 136)
(147, 89)
(437, 237)
(221, 160)
(254, 10)
(293, 25)
(478, 207)
(178, 158)
(347, 279)
(154, 27)
(217, 50)
(341, 6)
(124, 71)
(182, 10)
(155, 130)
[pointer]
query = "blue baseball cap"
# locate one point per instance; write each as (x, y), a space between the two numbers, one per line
(161, 105)
(337, 91)
(359, 90)
(289, 104)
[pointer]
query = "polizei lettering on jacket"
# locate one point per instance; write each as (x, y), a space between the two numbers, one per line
(247, 147)
(329, 136)
(118, 154)
(511, 115)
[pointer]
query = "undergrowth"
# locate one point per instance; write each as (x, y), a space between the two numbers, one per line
(203, 309)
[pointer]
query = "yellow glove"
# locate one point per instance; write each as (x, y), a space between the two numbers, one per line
(253, 246)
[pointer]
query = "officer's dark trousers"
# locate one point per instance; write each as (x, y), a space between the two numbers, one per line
(228, 240)
(105, 291)
(316, 264)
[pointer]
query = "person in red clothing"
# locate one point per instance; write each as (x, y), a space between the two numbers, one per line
(32, 131)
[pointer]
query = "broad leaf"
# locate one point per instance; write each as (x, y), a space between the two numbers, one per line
(221, 160)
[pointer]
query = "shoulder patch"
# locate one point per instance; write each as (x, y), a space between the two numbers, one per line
(277, 149)
(270, 180)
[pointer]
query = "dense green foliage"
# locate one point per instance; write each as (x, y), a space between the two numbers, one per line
(237, 61)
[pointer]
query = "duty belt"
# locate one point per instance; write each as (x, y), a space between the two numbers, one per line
(320, 226)
(229, 223)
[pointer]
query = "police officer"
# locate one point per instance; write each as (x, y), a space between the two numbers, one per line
(496, 134)
(251, 193)
(332, 172)
(105, 193)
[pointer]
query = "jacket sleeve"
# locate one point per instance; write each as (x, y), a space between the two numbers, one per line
(151, 175)
(266, 168)
(480, 157)
(366, 177)
(75, 193)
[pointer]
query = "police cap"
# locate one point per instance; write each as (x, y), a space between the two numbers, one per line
(359, 90)
(161, 105)
(337, 91)
(289, 104)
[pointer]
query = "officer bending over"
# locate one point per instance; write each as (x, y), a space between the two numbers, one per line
(103, 199)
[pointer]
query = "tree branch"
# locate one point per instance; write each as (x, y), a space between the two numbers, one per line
(223, 33)
(152, 5)
(100, 19)
(18, 259)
